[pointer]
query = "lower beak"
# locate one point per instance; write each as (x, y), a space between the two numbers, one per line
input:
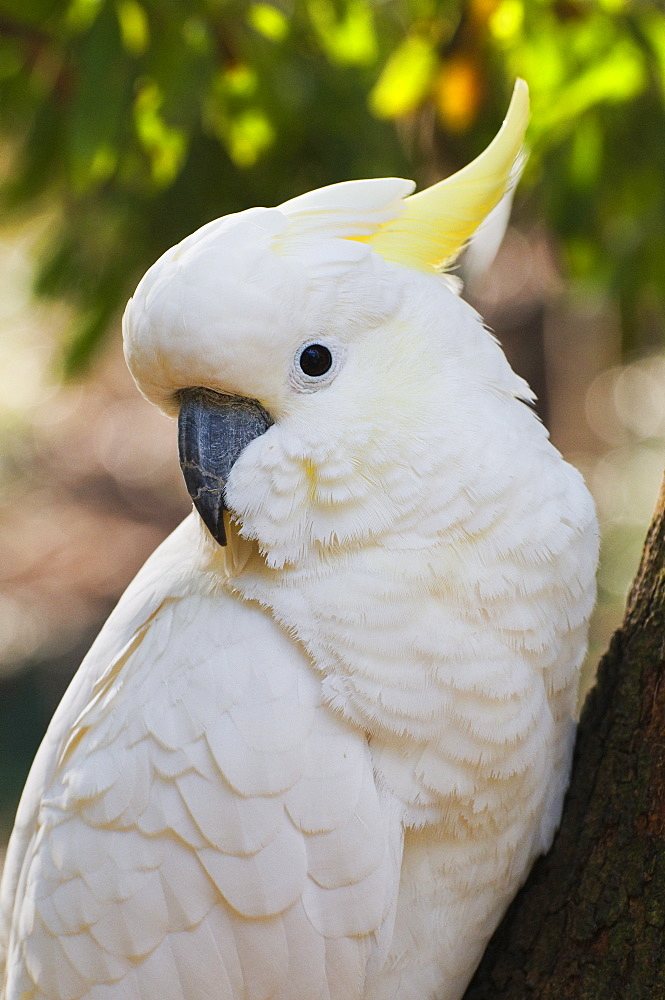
(213, 429)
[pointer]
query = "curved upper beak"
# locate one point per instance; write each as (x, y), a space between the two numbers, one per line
(213, 429)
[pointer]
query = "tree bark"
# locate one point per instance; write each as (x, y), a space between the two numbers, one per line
(590, 922)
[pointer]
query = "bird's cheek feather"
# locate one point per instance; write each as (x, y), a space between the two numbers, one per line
(213, 429)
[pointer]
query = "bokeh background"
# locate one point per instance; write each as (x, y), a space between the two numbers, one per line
(126, 124)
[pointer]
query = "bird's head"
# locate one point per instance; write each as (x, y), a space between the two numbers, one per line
(312, 352)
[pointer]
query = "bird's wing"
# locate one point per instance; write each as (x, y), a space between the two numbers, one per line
(207, 826)
(139, 601)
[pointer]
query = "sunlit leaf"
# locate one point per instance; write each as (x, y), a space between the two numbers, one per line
(248, 136)
(613, 6)
(134, 26)
(615, 77)
(268, 20)
(507, 20)
(542, 60)
(82, 13)
(405, 79)
(165, 145)
(239, 80)
(350, 39)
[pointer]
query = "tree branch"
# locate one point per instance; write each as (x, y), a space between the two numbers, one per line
(590, 921)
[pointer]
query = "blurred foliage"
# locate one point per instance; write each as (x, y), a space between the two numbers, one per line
(144, 119)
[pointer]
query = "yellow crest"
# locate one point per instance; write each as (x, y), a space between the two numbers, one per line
(437, 222)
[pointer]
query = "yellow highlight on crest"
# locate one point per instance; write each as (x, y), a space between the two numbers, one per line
(437, 222)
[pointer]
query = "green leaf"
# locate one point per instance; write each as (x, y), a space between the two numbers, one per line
(11, 62)
(134, 26)
(86, 337)
(81, 14)
(165, 145)
(349, 40)
(250, 135)
(269, 21)
(586, 154)
(651, 24)
(612, 71)
(100, 103)
(39, 162)
(405, 79)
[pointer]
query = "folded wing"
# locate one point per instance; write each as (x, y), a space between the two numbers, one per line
(205, 823)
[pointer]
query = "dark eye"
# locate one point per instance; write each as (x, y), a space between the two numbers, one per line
(316, 360)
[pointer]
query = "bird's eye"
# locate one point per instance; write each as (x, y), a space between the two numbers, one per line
(315, 360)
(316, 365)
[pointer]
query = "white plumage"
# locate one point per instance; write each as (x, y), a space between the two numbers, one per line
(317, 762)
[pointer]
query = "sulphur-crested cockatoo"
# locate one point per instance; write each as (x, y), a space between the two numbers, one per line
(326, 731)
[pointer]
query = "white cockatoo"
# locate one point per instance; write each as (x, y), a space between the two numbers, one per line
(320, 741)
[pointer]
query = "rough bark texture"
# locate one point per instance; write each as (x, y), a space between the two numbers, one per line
(590, 922)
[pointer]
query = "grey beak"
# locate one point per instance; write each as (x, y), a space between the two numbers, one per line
(213, 429)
